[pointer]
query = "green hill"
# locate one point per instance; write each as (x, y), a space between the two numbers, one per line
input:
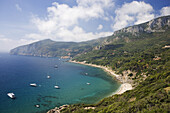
(140, 52)
(147, 56)
(49, 48)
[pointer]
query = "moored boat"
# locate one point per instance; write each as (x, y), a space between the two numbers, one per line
(48, 76)
(37, 105)
(33, 84)
(11, 95)
(55, 66)
(57, 87)
(88, 83)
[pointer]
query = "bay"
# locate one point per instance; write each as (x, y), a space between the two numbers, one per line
(17, 72)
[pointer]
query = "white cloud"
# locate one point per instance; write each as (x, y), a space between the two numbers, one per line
(18, 7)
(77, 34)
(133, 13)
(100, 27)
(165, 11)
(6, 44)
(62, 21)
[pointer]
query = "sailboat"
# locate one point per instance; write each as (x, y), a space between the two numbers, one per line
(56, 86)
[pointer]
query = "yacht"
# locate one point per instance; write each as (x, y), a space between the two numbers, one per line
(33, 84)
(57, 87)
(11, 95)
(37, 105)
(88, 83)
(48, 76)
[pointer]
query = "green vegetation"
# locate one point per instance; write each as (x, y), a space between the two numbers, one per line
(140, 49)
(149, 96)
(136, 56)
(144, 54)
(49, 48)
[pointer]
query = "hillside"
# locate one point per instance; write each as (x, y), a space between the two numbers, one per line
(139, 53)
(145, 59)
(49, 48)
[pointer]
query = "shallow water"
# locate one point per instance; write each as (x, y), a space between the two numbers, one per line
(17, 72)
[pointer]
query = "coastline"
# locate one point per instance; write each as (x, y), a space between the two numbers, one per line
(125, 86)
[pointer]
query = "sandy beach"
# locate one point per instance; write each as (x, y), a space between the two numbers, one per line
(124, 86)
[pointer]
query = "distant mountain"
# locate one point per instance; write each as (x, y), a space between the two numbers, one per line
(49, 48)
(46, 48)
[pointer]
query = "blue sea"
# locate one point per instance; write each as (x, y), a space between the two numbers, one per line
(17, 72)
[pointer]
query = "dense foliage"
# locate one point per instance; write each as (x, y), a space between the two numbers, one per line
(140, 49)
(139, 56)
(152, 95)
(144, 54)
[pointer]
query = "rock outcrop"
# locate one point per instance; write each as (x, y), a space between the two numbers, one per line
(155, 25)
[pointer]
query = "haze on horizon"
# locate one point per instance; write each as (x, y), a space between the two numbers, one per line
(24, 22)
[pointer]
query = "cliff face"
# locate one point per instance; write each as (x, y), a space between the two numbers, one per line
(155, 25)
(137, 32)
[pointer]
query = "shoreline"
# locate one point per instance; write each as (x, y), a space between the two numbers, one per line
(124, 85)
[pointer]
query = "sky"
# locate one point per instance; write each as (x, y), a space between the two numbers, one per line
(26, 21)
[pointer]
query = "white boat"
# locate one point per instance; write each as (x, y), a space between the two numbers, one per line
(48, 76)
(55, 66)
(88, 83)
(11, 95)
(57, 87)
(33, 84)
(37, 105)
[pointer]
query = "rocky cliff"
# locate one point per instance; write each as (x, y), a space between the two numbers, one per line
(156, 25)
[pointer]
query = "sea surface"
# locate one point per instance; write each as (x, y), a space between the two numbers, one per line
(17, 72)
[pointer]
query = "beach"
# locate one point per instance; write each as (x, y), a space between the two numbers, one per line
(124, 85)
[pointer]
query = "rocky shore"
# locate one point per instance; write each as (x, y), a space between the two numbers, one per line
(58, 109)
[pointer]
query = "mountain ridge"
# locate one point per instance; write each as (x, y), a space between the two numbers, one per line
(154, 25)
(49, 48)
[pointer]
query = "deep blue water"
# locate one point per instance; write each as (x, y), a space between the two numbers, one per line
(17, 72)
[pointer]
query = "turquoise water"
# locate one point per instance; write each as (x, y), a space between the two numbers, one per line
(17, 72)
